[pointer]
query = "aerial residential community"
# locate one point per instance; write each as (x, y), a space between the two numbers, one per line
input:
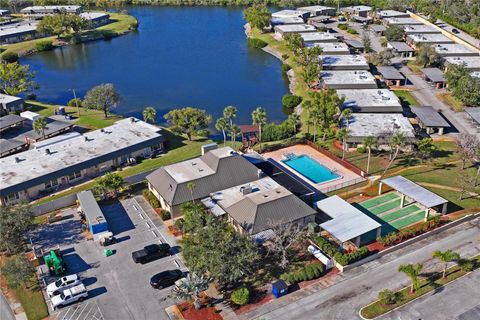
(239, 159)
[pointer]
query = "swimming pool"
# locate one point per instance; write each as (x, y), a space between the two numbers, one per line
(310, 169)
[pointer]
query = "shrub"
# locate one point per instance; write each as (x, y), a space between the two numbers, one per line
(240, 296)
(466, 265)
(342, 26)
(179, 223)
(10, 57)
(74, 102)
(352, 31)
(256, 43)
(285, 68)
(285, 56)
(44, 45)
(165, 215)
(291, 101)
(361, 150)
(387, 296)
(31, 96)
(275, 132)
(151, 198)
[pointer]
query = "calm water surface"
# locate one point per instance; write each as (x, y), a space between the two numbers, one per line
(179, 57)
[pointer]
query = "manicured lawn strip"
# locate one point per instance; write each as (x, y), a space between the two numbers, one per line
(427, 285)
(386, 207)
(409, 220)
(406, 97)
(400, 213)
(32, 302)
(379, 200)
(416, 68)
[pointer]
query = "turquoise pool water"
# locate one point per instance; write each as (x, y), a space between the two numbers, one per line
(311, 169)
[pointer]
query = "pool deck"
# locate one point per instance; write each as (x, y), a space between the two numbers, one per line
(347, 177)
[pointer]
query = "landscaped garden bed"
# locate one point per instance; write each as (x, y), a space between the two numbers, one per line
(206, 312)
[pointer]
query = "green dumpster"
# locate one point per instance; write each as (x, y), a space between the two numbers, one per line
(107, 252)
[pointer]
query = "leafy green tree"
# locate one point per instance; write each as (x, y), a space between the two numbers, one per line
(464, 86)
(191, 287)
(294, 119)
(394, 33)
(294, 42)
(16, 78)
(103, 4)
(102, 97)
(308, 56)
(59, 24)
(189, 121)
(40, 125)
(426, 148)
(412, 271)
(258, 16)
(427, 56)
(445, 257)
(15, 221)
(10, 57)
(191, 188)
(149, 115)
(383, 58)
(310, 74)
(343, 135)
(194, 216)
(222, 125)
(18, 271)
(326, 106)
(111, 182)
(369, 143)
(259, 117)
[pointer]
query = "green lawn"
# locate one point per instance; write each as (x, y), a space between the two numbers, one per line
(416, 68)
(32, 302)
(406, 98)
(454, 104)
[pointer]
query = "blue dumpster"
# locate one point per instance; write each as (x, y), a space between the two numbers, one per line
(279, 288)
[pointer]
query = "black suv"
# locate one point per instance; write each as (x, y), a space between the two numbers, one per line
(151, 252)
(165, 278)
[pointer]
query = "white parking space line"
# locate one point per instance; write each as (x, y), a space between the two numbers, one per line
(80, 313)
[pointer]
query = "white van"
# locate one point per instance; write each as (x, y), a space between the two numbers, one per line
(74, 294)
(55, 288)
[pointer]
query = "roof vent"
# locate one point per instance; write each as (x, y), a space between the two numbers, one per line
(47, 151)
(246, 189)
(17, 160)
(132, 120)
(102, 130)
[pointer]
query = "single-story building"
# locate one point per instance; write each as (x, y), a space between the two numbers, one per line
(11, 121)
(290, 14)
(380, 125)
(66, 159)
(282, 30)
(402, 21)
(259, 206)
(408, 189)
(470, 63)
(401, 49)
(96, 19)
(427, 38)
(215, 170)
(10, 104)
(455, 49)
(41, 11)
(434, 76)
(97, 224)
(4, 13)
(333, 48)
(378, 29)
(419, 28)
(430, 120)
(344, 62)
(371, 101)
(347, 79)
(319, 11)
(391, 76)
(361, 11)
(382, 14)
(361, 19)
(310, 38)
(318, 21)
(289, 20)
(17, 32)
(354, 45)
(346, 223)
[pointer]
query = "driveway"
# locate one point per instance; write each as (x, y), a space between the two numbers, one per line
(360, 286)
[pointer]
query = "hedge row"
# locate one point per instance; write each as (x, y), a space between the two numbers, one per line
(407, 233)
(256, 43)
(333, 251)
(151, 198)
(309, 272)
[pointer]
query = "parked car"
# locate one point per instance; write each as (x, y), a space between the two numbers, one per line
(165, 278)
(151, 252)
(455, 31)
(74, 294)
(55, 288)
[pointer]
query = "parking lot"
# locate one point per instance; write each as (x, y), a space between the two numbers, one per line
(118, 288)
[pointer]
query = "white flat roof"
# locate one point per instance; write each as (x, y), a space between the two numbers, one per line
(93, 15)
(288, 20)
(5, 98)
(290, 28)
(288, 14)
(347, 221)
(392, 13)
(414, 191)
(357, 8)
(344, 60)
(370, 98)
(378, 124)
(454, 48)
(402, 21)
(40, 8)
(429, 38)
(475, 74)
(314, 8)
(467, 62)
(347, 76)
(332, 47)
(16, 28)
(318, 37)
(420, 29)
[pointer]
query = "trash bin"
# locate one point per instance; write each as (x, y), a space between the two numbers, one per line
(279, 288)
(107, 252)
(61, 111)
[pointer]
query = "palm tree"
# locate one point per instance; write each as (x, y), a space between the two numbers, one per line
(343, 135)
(191, 287)
(294, 118)
(40, 125)
(191, 187)
(397, 141)
(149, 115)
(234, 131)
(446, 257)
(222, 125)
(412, 271)
(369, 143)
(259, 117)
(347, 115)
(307, 105)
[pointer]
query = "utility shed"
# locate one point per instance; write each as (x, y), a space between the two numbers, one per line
(97, 223)
(429, 119)
(415, 192)
(434, 76)
(347, 223)
(391, 76)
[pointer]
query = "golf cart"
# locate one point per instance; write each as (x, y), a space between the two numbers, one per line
(106, 239)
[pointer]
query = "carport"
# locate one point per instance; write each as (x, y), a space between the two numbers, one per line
(434, 76)
(417, 193)
(390, 75)
(347, 223)
(97, 223)
(429, 119)
(474, 113)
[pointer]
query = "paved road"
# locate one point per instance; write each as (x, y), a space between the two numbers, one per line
(5, 311)
(358, 287)
(462, 35)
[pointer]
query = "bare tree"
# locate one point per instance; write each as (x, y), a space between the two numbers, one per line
(468, 146)
(466, 182)
(283, 237)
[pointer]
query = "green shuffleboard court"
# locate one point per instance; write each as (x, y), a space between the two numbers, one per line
(409, 220)
(400, 213)
(379, 200)
(386, 207)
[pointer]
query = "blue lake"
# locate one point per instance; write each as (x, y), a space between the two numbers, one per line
(180, 56)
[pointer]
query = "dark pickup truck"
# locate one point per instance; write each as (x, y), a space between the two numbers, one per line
(151, 252)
